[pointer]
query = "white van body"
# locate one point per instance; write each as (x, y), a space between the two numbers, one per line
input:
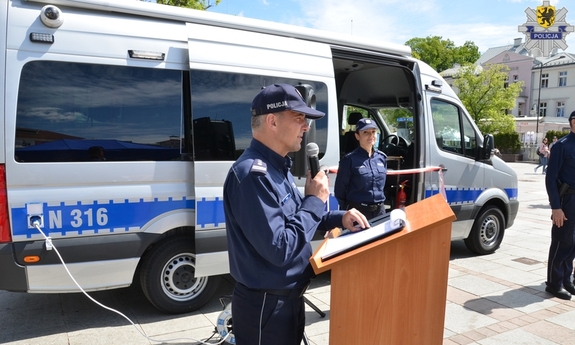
(164, 92)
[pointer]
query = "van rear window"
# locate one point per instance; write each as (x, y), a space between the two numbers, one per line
(70, 112)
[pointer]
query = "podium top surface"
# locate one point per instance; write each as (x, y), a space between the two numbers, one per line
(421, 216)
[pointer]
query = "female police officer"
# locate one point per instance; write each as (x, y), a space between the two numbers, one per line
(270, 225)
(361, 174)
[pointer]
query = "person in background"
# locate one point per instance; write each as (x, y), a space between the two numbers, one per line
(543, 154)
(361, 174)
(551, 146)
(270, 224)
(561, 176)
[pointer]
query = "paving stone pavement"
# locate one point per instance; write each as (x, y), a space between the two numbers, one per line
(491, 299)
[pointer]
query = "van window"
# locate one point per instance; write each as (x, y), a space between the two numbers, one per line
(453, 131)
(221, 113)
(70, 112)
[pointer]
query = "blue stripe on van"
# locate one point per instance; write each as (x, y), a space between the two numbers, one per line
(97, 217)
(210, 212)
(113, 217)
(467, 195)
(512, 193)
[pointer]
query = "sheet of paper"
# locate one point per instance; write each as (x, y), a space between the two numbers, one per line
(345, 243)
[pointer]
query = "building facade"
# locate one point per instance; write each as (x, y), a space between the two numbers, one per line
(548, 88)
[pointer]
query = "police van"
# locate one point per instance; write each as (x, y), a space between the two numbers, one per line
(122, 118)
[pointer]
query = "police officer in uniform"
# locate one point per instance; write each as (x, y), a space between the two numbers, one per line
(561, 171)
(270, 224)
(361, 174)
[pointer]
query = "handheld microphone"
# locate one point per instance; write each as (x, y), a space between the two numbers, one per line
(312, 151)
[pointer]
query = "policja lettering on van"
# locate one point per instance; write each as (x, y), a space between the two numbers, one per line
(277, 105)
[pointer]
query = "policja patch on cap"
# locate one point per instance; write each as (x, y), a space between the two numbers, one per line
(280, 97)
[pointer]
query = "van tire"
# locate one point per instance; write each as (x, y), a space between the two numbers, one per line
(167, 277)
(487, 232)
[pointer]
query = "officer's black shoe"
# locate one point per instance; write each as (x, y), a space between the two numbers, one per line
(559, 293)
(570, 288)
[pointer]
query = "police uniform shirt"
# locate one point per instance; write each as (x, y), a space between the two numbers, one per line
(269, 224)
(361, 178)
(561, 167)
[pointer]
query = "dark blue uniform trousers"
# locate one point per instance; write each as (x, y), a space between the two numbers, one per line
(262, 318)
(562, 249)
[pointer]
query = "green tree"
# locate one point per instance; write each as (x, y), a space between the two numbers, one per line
(442, 54)
(195, 4)
(487, 96)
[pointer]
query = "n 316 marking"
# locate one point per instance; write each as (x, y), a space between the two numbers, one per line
(79, 218)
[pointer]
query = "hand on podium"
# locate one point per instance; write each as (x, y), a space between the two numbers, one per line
(354, 220)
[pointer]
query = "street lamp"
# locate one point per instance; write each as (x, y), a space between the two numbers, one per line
(541, 64)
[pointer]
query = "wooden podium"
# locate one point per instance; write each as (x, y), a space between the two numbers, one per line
(393, 291)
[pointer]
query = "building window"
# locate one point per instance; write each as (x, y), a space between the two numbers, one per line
(563, 78)
(506, 82)
(543, 109)
(515, 78)
(560, 109)
(544, 80)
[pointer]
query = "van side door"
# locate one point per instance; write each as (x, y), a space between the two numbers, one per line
(228, 67)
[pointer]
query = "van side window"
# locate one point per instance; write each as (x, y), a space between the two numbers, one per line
(221, 105)
(453, 131)
(70, 112)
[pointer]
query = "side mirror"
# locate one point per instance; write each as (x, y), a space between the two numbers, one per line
(486, 151)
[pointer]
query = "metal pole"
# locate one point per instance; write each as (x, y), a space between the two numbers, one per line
(538, 103)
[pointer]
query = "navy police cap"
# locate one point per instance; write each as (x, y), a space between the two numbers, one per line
(280, 97)
(365, 124)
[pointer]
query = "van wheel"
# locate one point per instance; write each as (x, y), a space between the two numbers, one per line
(167, 277)
(487, 232)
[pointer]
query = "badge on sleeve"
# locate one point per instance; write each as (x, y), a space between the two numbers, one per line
(259, 167)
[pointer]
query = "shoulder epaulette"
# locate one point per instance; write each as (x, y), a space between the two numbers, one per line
(347, 154)
(259, 167)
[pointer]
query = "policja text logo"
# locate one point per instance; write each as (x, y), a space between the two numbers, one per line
(546, 29)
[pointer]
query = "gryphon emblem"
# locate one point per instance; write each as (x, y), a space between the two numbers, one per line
(546, 16)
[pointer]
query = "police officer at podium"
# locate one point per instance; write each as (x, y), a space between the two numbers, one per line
(270, 224)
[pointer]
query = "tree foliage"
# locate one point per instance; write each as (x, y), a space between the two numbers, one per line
(559, 134)
(195, 4)
(442, 54)
(487, 96)
(507, 142)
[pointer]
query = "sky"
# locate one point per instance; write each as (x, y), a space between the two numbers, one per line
(487, 23)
